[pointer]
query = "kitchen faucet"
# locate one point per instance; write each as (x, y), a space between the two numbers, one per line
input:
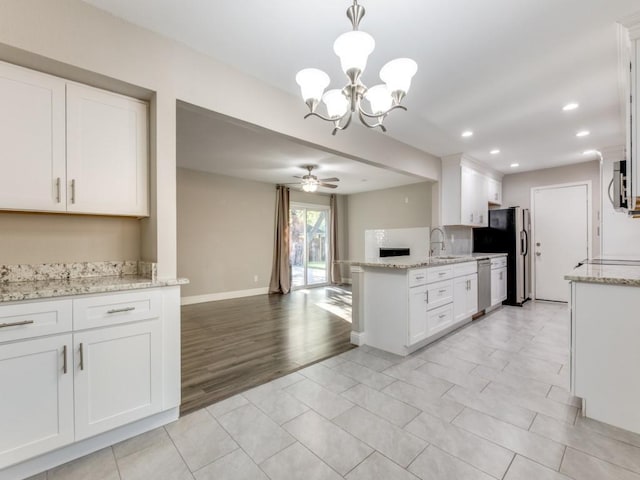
(431, 242)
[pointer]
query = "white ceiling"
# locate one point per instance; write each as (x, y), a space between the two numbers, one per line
(501, 68)
(213, 143)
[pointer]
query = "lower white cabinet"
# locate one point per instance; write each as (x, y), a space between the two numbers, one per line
(498, 285)
(36, 403)
(117, 376)
(417, 314)
(73, 382)
(465, 297)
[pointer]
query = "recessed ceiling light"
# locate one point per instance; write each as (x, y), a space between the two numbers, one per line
(495, 151)
(467, 133)
(570, 106)
(583, 133)
(514, 165)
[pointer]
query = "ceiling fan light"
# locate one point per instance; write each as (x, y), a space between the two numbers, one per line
(337, 104)
(379, 99)
(354, 49)
(397, 74)
(312, 83)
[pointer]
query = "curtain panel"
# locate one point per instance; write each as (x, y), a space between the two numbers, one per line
(281, 269)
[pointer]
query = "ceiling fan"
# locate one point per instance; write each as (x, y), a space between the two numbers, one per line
(310, 182)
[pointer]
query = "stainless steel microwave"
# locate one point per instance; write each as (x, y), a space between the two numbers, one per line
(619, 196)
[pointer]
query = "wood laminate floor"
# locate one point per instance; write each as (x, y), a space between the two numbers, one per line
(229, 346)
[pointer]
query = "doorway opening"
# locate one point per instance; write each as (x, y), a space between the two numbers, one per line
(309, 245)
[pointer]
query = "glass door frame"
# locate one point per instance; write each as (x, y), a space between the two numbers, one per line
(317, 207)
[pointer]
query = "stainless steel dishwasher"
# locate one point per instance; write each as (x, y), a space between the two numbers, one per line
(484, 284)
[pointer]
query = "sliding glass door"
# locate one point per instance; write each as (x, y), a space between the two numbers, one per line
(308, 230)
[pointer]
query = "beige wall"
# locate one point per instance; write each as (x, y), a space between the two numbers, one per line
(225, 232)
(40, 238)
(400, 207)
(516, 188)
(72, 38)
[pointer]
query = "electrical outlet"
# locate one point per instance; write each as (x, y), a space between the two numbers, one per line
(255, 278)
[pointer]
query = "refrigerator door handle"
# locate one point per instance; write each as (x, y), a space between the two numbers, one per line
(525, 247)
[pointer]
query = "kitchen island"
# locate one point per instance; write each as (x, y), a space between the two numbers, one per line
(401, 305)
(605, 330)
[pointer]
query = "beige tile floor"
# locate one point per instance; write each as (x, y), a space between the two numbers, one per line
(488, 402)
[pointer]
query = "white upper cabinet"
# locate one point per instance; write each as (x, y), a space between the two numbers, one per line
(106, 152)
(32, 143)
(495, 191)
(66, 147)
(465, 192)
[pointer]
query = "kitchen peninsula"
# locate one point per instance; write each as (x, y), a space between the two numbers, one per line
(401, 305)
(605, 301)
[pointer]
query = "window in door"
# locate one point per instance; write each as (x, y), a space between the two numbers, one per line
(308, 230)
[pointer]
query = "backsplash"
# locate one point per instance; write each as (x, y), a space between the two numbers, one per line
(416, 239)
(458, 240)
(68, 271)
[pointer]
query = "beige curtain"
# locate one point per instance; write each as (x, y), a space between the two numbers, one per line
(334, 268)
(281, 270)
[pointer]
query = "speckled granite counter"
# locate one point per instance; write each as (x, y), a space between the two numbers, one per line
(606, 274)
(30, 282)
(398, 263)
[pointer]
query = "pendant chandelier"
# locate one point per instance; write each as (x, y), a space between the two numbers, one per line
(354, 48)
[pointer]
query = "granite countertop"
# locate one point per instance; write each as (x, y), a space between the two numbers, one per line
(30, 290)
(399, 263)
(606, 274)
(30, 282)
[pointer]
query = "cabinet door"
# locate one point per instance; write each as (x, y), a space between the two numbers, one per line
(502, 279)
(32, 140)
(417, 314)
(118, 376)
(495, 191)
(495, 286)
(480, 203)
(472, 295)
(107, 153)
(460, 296)
(468, 195)
(36, 403)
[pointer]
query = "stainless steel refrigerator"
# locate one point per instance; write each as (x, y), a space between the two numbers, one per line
(509, 232)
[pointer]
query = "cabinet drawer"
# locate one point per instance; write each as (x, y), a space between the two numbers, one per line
(439, 319)
(437, 274)
(463, 269)
(417, 277)
(27, 320)
(499, 262)
(113, 309)
(439, 294)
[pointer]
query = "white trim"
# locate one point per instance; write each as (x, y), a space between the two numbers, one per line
(214, 297)
(85, 447)
(358, 338)
(587, 183)
(347, 280)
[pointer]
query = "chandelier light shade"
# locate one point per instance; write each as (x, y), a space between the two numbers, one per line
(353, 48)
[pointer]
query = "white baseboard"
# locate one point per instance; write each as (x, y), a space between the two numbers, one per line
(214, 297)
(347, 280)
(357, 338)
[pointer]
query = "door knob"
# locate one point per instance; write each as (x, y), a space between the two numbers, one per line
(538, 254)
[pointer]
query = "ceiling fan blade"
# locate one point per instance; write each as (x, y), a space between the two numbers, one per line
(297, 176)
(328, 185)
(332, 179)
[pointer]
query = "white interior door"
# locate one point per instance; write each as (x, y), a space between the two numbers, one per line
(561, 237)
